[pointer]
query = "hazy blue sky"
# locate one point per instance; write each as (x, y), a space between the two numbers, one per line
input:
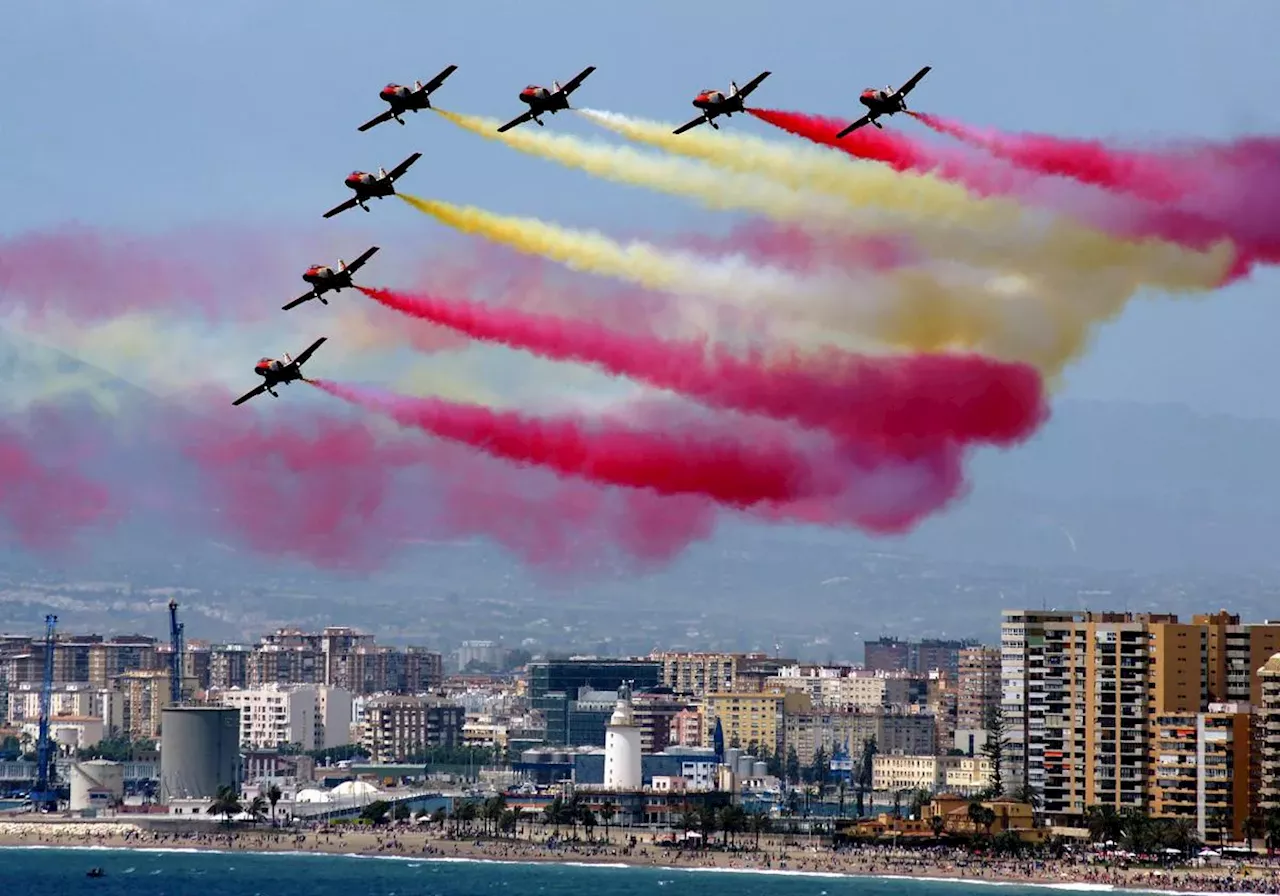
(147, 115)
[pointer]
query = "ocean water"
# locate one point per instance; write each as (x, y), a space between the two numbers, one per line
(61, 872)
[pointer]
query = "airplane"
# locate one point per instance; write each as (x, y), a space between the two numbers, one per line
(541, 100)
(324, 279)
(407, 99)
(275, 371)
(713, 103)
(372, 186)
(884, 102)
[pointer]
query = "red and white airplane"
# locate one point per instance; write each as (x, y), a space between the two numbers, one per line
(540, 100)
(325, 279)
(275, 371)
(372, 186)
(407, 99)
(884, 102)
(713, 103)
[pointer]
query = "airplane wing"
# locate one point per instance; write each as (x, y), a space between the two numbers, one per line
(519, 119)
(400, 169)
(690, 124)
(299, 300)
(576, 81)
(257, 390)
(385, 116)
(434, 83)
(350, 203)
(308, 351)
(359, 262)
(910, 85)
(864, 120)
(753, 83)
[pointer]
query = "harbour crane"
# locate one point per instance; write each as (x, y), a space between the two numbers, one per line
(175, 660)
(44, 796)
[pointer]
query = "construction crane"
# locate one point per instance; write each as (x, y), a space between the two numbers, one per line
(175, 661)
(44, 796)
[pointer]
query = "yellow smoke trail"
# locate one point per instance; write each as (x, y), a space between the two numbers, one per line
(908, 309)
(1066, 245)
(713, 187)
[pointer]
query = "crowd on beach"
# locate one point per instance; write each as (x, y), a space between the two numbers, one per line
(773, 853)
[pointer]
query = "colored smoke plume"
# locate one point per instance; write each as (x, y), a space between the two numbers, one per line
(714, 188)
(942, 219)
(1231, 210)
(903, 404)
(44, 498)
(723, 468)
(1146, 175)
(338, 493)
(746, 466)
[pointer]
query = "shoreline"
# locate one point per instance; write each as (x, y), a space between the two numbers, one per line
(411, 843)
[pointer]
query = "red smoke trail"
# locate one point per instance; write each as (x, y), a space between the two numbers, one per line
(903, 405)
(1150, 176)
(44, 502)
(724, 469)
(335, 493)
(1236, 204)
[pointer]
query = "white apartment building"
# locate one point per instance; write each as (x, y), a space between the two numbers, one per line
(964, 775)
(82, 700)
(309, 716)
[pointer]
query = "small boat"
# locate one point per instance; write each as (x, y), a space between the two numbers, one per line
(95, 872)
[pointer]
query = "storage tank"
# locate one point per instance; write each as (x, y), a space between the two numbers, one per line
(760, 770)
(199, 751)
(731, 757)
(96, 784)
(744, 766)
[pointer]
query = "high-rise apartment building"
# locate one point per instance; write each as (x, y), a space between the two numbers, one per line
(977, 686)
(1267, 735)
(1084, 693)
(397, 728)
(1200, 769)
(1022, 696)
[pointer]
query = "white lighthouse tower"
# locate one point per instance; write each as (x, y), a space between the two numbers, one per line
(622, 746)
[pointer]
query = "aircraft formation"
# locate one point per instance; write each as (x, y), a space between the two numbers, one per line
(710, 103)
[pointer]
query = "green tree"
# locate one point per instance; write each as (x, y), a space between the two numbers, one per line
(273, 797)
(226, 804)
(376, 812)
(792, 765)
(256, 810)
(995, 747)
(607, 812)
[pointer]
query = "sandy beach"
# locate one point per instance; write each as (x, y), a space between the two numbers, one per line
(773, 854)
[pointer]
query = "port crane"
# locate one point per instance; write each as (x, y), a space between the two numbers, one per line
(176, 630)
(44, 796)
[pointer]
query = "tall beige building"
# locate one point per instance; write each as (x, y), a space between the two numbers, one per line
(1267, 736)
(1087, 693)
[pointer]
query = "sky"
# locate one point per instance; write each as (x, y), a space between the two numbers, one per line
(145, 116)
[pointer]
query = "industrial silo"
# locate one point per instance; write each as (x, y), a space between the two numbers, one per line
(96, 784)
(743, 770)
(760, 770)
(199, 751)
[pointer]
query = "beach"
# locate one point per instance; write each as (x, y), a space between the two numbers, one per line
(537, 843)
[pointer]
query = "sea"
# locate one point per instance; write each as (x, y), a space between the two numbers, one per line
(187, 872)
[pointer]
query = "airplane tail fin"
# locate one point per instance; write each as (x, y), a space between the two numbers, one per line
(555, 86)
(288, 358)
(382, 172)
(417, 85)
(342, 265)
(733, 88)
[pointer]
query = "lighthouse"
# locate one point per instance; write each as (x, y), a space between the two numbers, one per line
(622, 746)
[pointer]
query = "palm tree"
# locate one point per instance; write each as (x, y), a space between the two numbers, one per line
(937, 823)
(273, 797)
(607, 812)
(226, 803)
(760, 824)
(707, 822)
(1253, 828)
(256, 810)
(553, 813)
(588, 821)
